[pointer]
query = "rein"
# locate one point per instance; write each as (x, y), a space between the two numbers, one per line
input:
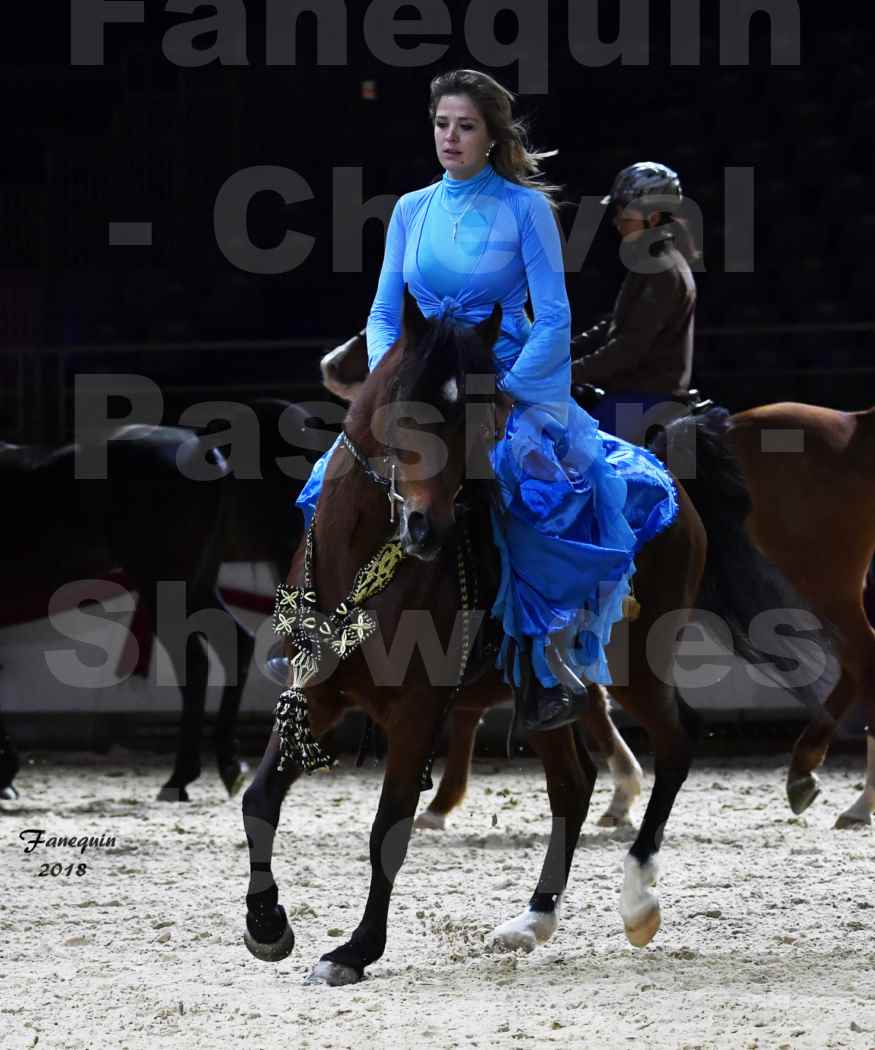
(297, 617)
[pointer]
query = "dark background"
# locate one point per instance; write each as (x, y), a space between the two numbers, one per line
(142, 140)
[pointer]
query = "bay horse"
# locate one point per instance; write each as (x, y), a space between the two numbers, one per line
(738, 584)
(150, 521)
(344, 370)
(397, 687)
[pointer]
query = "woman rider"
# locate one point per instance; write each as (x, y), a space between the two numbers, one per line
(575, 506)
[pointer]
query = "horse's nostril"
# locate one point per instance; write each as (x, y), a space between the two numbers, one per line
(418, 527)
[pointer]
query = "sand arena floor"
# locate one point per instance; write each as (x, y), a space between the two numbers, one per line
(768, 935)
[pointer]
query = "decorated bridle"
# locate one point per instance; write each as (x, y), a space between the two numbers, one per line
(343, 630)
(387, 483)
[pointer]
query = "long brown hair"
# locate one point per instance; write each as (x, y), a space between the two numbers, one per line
(512, 156)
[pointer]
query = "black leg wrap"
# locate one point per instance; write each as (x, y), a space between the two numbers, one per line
(264, 901)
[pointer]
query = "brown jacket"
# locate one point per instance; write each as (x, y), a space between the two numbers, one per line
(647, 345)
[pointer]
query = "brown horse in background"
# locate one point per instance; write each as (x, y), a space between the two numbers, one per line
(810, 473)
(430, 363)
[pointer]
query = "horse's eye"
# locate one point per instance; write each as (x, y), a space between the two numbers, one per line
(406, 456)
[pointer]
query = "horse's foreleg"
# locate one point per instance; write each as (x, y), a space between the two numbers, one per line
(268, 934)
(571, 775)
(236, 660)
(410, 743)
(624, 768)
(454, 779)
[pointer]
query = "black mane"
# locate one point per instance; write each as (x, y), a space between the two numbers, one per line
(445, 351)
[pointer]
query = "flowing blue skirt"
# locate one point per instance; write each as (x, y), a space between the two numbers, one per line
(576, 505)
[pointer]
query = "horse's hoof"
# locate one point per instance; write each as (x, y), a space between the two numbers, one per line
(802, 791)
(611, 820)
(272, 951)
(513, 940)
(644, 930)
(849, 820)
(233, 776)
(170, 793)
(525, 931)
(333, 974)
(429, 821)
(8, 794)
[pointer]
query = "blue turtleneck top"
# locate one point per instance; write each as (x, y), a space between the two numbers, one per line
(507, 249)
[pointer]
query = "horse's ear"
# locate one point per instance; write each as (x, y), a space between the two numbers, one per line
(414, 322)
(345, 368)
(489, 329)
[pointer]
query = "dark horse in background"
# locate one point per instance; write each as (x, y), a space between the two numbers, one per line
(176, 503)
(148, 521)
(429, 365)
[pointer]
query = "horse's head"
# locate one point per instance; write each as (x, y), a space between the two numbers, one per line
(430, 406)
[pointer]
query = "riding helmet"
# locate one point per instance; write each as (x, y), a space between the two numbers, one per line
(644, 179)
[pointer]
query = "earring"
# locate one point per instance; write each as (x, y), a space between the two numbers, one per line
(491, 146)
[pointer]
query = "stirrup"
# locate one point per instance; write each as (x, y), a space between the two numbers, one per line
(551, 707)
(537, 707)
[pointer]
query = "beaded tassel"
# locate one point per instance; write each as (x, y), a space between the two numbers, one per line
(297, 743)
